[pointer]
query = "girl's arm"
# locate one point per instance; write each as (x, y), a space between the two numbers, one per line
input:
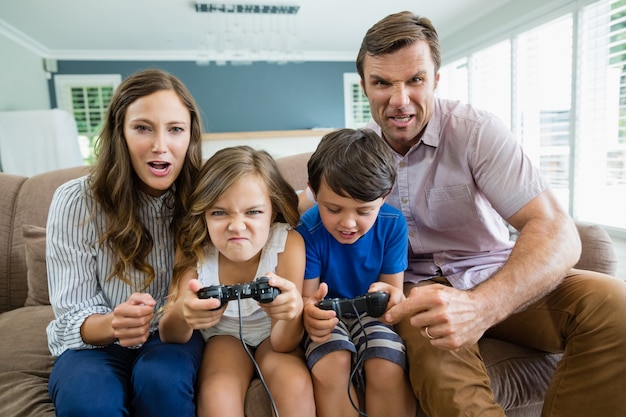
(286, 310)
(173, 327)
(186, 312)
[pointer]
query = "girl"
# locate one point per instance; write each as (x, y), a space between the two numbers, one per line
(110, 255)
(239, 228)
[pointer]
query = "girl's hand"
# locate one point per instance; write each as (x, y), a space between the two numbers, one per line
(200, 314)
(131, 319)
(317, 322)
(288, 304)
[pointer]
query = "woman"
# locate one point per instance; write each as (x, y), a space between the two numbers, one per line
(110, 254)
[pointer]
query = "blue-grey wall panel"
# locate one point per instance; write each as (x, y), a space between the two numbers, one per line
(241, 98)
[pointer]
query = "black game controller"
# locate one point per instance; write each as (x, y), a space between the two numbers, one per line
(373, 303)
(259, 289)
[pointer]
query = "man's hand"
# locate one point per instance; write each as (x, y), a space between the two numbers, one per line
(317, 322)
(450, 318)
(131, 319)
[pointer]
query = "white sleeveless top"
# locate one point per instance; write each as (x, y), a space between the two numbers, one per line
(256, 324)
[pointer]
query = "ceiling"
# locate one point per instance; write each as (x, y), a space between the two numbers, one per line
(173, 30)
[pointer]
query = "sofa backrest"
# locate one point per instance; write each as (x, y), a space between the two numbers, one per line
(25, 201)
(30, 199)
(10, 186)
(24, 205)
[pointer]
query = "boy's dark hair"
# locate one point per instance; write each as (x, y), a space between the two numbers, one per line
(353, 163)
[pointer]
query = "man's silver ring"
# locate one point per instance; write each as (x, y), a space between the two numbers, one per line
(427, 333)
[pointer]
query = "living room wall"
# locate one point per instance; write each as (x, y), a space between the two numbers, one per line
(242, 98)
(22, 78)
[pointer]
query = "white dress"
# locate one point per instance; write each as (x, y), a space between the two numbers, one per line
(256, 324)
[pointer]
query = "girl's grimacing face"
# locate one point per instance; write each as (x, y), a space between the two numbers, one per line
(157, 130)
(239, 221)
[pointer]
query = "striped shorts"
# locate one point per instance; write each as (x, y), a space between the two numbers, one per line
(381, 341)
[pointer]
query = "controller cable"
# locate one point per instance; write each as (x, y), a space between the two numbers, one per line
(358, 364)
(256, 365)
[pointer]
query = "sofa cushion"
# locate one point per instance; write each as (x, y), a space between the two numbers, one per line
(35, 243)
(598, 253)
(25, 362)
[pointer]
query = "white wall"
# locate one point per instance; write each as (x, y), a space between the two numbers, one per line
(23, 83)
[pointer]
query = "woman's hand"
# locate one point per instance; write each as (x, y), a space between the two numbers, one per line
(131, 319)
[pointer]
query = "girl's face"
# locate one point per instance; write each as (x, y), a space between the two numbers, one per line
(345, 218)
(239, 221)
(157, 129)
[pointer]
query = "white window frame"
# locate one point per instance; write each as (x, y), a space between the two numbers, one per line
(62, 83)
(351, 107)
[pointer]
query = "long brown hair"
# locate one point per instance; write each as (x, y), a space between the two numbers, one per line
(114, 181)
(218, 174)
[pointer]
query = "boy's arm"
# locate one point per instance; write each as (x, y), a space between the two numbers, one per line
(317, 322)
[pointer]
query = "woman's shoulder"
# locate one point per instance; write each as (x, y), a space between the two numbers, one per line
(72, 190)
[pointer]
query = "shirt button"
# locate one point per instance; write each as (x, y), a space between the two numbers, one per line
(404, 200)
(411, 233)
(402, 164)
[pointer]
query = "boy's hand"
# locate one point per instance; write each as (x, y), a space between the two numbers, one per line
(396, 295)
(200, 314)
(288, 304)
(317, 322)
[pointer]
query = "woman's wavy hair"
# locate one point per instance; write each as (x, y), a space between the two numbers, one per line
(395, 32)
(114, 182)
(218, 174)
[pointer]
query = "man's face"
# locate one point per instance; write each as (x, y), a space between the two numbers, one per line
(400, 87)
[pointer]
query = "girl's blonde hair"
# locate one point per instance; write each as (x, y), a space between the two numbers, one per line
(216, 176)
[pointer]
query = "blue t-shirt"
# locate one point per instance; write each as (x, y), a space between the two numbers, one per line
(349, 269)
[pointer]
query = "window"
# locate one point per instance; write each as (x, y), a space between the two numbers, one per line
(357, 108)
(86, 97)
(564, 89)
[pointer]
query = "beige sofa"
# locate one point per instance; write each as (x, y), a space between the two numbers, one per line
(519, 376)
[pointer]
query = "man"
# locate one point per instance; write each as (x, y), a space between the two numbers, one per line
(460, 172)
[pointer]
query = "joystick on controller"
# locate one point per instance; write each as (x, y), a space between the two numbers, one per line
(373, 303)
(259, 289)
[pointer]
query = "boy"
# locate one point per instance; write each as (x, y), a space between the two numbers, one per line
(355, 244)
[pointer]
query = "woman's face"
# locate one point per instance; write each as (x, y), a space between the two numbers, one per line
(157, 129)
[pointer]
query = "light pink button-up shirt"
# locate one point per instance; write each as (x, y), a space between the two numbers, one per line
(454, 188)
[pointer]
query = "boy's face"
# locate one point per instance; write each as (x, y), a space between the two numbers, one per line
(345, 218)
